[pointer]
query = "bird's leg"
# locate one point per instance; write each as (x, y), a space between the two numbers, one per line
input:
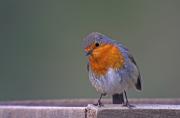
(99, 103)
(127, 102)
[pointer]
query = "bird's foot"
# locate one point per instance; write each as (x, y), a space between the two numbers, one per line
(99, 104)
(128, 105)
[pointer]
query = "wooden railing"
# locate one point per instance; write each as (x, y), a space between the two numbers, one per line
(83, 108)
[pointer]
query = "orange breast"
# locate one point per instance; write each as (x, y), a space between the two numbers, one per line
(104, 57)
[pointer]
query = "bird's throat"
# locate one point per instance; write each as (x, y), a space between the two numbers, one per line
(105, 57)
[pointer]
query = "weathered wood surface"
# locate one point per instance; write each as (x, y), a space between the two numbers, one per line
(79, 108)
(41, 112)
(139, 111)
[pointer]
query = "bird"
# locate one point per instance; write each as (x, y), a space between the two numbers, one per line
(111, 67)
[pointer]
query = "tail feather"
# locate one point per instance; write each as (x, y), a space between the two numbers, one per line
(118, 98)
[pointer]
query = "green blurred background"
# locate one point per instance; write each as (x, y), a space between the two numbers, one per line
(41, 55)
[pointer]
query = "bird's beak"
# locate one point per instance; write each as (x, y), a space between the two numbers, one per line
(88, 53)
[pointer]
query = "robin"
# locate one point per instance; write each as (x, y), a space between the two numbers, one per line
(112, 68)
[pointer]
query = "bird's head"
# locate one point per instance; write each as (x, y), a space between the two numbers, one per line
(93, 42)
(102, 53)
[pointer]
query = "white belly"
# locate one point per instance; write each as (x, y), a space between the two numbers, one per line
(113, 82)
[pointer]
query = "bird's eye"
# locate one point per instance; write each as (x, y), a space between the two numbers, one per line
(96, 44)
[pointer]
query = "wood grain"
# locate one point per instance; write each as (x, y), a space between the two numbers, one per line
(79, 108)
(41, 112)
(139, 111)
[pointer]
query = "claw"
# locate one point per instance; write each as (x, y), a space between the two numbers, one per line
(99, 104)
(128, 105)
